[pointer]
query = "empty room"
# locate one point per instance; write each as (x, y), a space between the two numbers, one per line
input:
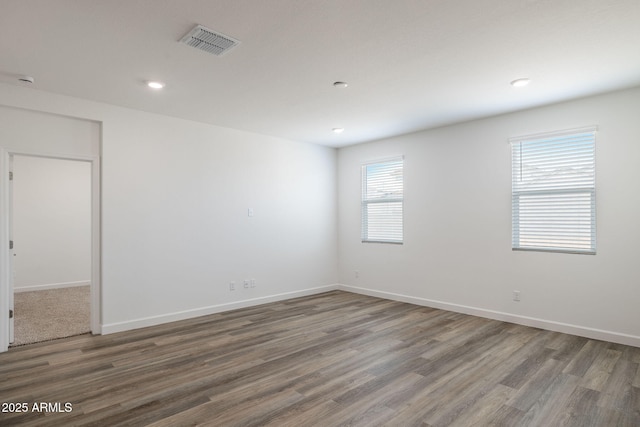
(319, 213)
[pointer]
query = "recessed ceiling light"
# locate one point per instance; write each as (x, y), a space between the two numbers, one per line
(520, 82)
(340, 84)
(337, 130)
(155, 85)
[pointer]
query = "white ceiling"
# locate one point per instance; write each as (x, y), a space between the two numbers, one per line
(410, 65)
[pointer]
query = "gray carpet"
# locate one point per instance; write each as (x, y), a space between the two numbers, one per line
(47, 315)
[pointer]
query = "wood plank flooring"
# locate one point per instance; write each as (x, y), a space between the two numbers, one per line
(326, 360)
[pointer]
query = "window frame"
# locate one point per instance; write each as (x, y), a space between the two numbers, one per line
(554, 193)
(367, 201)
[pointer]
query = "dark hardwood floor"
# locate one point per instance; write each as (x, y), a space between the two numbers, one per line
(327, 360)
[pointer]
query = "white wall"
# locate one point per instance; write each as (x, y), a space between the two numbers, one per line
(50, 134)
(175, 195)
(175, 226)
(457, 251)
(51, 223)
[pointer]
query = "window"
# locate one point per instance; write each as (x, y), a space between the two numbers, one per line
(382, 201)
(553, 192)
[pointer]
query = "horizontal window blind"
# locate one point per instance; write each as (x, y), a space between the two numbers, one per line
(382, 201)
(553, 192)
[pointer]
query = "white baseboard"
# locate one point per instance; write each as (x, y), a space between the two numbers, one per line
(111, 328)
(566, 328)
(51, 286)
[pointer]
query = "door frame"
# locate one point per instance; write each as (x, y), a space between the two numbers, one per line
(6, 286)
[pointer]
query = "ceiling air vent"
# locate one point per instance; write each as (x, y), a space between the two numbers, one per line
(205, 39)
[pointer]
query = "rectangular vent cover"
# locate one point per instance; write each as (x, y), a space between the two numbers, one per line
(205, 39)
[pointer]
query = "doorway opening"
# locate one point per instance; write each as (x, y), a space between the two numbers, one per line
(50, 228)
(41, 134)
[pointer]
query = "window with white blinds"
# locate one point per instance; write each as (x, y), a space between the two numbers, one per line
(382, 201)
(553, 192)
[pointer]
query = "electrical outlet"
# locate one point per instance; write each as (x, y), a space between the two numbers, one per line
(252, 283)
(516, 295)
(246, 284)
(232, 286)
